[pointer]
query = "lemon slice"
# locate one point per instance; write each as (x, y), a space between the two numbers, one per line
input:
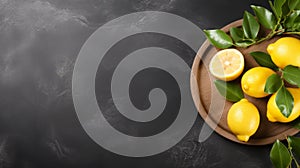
(227, 64)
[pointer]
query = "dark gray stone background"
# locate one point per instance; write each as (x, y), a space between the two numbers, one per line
(39, 43)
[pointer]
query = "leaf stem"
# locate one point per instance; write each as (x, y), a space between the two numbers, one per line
(293, 157)
(287, 15)
(269, 36)
(277, 25)
(297, 33)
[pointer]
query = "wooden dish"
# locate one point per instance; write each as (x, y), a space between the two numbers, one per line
(213, 108)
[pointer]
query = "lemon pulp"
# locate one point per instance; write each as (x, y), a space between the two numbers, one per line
(227, 64)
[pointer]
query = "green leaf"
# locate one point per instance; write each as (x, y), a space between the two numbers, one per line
(218, 38)
(290, 21)
(297, 126)
(264, 59)
(284, 101)
(298, 6)
(294, 4)
(236, 34)
(295, 145)
(285, 9)
(244, 43)
(296, 123)
(274, 10)
(231, 91)
(296, 26)
(273, 83)
(292, 75)
(250, 26)
(265, 17)
(279, 155)
(278, 4)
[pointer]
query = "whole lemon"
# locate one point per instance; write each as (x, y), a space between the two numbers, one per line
(254, 80)
(285, 51)
(243, 119)
(273, 112)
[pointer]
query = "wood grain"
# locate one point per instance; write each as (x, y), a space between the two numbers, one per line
(213, 108)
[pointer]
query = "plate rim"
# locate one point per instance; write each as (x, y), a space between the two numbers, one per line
(204, 114)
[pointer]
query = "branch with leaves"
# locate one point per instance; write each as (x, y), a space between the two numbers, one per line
(284, 19)
(275, 83)
(284, 157)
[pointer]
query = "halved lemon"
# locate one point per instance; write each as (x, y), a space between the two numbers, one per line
(227, 64)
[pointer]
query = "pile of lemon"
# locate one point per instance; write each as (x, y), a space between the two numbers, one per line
(243, 117)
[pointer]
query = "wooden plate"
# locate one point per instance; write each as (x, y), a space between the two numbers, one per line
(213, 108)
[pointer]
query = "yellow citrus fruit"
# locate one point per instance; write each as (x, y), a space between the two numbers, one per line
(273, 112)
(285, 51)
(254, 80)
(243, 119)
(227, 64)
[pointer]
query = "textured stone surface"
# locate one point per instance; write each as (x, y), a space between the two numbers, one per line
(39, 43)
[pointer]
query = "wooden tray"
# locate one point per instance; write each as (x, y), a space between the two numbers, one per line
(213, 108)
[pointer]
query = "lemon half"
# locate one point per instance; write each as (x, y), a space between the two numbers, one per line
(227, 64)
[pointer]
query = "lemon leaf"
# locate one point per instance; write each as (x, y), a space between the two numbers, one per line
(278, 6)
(294, 4)
(218, 38)
(273, 83)
(280, 155)
(264, 59)
(231, 91)
(297, 26)
(244, 43)
(285, 9)
(250, 26)
(291, 74)
(296, 123)
(265, 17)
(273, 9)
(284, 101)
(236, 34)
(289, 23)
(294, 144)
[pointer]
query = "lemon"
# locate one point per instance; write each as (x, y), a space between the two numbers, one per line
(254, 80)
(243, 119)
(273, 112)
(285, 51)
(227, 64)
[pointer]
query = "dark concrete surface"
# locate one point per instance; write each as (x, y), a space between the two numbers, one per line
(39, 43)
